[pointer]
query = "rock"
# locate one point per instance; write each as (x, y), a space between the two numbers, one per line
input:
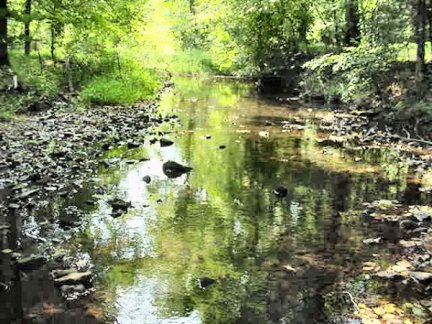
(423, 277)
(372, 240)
(289, 268)
(410, 244)
(27, 193)
(165, 142)
(119, 206)
(408, 224)
(30, 263)
(281, 192)
(80, 288)
(133, 145)
(147, 179)
(390, 275)
(204, 282)
(106, 146)
(74, 278)
(422, 217)
(61, 273)
(174, 170)
(5, 227)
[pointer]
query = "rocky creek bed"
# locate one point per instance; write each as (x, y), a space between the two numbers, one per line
(50, 155)
(56, 152)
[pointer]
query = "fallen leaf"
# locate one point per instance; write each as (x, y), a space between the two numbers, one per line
(51, 309)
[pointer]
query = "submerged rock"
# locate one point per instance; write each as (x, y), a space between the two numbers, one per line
(174, 170)
(165, 142)
(119, 207)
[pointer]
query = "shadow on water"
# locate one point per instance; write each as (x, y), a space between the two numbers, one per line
(273, 260)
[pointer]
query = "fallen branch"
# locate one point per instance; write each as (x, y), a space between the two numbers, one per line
(407, 139)
(353, 301)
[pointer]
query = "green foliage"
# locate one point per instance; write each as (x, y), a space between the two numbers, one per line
(355, 75)
(192, 61)
(134, 83)
(45, 79)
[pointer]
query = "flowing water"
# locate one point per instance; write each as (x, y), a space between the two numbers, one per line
(274, 260)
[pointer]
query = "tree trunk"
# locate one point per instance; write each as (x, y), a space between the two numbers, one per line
(421, 40)
(352, 21)
(429, 17)
(192, 6)
(4, 58)
(27, 38)
(53, 35)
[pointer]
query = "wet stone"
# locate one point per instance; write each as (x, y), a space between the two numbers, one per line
(80, 288)
(119, 207)
(74, 278)
(408, 224)
(133, 145)
(389, 275)
(30, 263)
(165, 142)
(61, 273)
(423, 277)
(27, 193)
(174, 170)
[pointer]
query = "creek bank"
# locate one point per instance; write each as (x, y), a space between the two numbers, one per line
(396, 281)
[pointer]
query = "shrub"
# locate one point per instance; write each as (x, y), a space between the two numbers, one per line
(134, 83)
(355, 75)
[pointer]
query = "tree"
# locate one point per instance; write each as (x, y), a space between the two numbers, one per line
(420, 31)
(27, 20)
(4, 59)
(352, 17)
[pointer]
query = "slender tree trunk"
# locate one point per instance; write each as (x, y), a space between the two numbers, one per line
(429, 17)
(192, 6)
(421, 40)
(352, 20)
(27, 36)
(53, 37)
(4, 58)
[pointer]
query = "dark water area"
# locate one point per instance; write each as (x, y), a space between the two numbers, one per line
(273, 260)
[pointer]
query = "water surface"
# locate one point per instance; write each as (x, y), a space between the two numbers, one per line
(223, 221)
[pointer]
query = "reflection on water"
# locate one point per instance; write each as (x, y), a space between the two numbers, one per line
(223, 221)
